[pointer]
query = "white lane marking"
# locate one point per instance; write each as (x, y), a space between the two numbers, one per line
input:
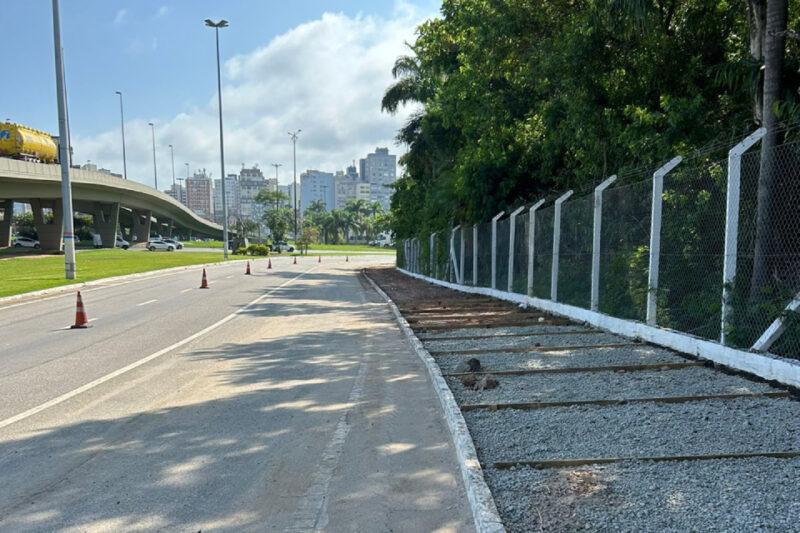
(228, 277)
(93, 319)
(186, 290)
(99, 381)
(147, 302)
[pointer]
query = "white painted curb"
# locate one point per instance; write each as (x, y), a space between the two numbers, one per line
(769, 367)
(484, 511)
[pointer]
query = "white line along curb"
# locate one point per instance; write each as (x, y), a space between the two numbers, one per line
(484, 511)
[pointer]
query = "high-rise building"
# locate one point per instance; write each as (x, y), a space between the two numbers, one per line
(317, 185)
(231, 198)
(349, 186)
(288, 192)
(251, 182)
(178, 192)
(199, 196)
(380, 170)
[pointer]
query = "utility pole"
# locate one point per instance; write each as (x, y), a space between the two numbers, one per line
(277, 187)
(155, 170)
(63, 149)
(217, 25)
(172, 156)
(122, 126)
(186, 194)
(294, 135)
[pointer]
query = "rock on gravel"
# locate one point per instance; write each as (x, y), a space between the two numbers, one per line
(636, 430)
(690, 381)
(572, 358)
(741, 495)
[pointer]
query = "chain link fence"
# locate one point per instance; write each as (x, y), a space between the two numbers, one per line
(681, 284)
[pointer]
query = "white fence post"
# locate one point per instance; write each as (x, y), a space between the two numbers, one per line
(494, 248)
(512, 233)
(732, 225)
(531, 242)
(556, 245)
(475, 255)
(776, 329)
(461, 262)
(655, 237)
(453, 259)
(596, 228)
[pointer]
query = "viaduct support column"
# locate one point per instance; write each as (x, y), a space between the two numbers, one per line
(6, 214)
(50, 231)
(140, 230)
(106, 219)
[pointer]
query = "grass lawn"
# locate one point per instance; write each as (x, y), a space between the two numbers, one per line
(24, 274)
(196, 244)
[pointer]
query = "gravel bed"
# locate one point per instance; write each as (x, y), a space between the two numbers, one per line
(636, 430)
(465, 332)
(607, 385)
(500, 343)
(744, 495)
(587, 357)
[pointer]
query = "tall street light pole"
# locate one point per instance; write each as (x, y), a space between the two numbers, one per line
(63, 149)
(294, 135)
(122, 126)
(155, 170)
(172, 156)
(217, 25)
(277, 186)
(186, 194)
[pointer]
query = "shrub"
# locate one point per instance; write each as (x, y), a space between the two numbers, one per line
(240, 251)
(257, 249)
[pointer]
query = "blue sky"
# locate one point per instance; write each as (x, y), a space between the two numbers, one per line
(286, 64)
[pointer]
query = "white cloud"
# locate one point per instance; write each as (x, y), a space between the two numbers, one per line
(326, 76)
(162, 11)
(120, 17)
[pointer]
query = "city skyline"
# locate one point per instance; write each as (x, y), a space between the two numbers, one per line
(264, 94)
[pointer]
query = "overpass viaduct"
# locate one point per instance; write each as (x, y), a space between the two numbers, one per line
(112, 202)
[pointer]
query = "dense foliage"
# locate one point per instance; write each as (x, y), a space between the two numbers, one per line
(521, 98)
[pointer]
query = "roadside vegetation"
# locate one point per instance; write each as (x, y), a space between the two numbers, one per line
(24, 274)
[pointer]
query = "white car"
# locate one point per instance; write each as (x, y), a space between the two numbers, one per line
(122, 243)
(177, 244)
(158, 244)
(25, 242)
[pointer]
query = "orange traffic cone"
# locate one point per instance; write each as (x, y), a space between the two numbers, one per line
(319, 259)
(204, 283)
(247, 272)
(81, 321)
(295, 260)
(269, 264)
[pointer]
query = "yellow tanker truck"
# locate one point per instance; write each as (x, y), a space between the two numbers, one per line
(20, 142)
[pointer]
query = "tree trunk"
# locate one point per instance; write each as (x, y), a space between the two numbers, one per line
(767, 243)
(757, 21)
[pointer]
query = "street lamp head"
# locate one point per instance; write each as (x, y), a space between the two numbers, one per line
(118, 92)
(170, 145)
(221, 24)
(150, 124)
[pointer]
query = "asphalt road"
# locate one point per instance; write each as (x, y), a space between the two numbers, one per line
(283, 401)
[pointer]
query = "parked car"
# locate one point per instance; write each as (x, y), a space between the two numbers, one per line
(178, 244)
(158, 244)
(281, 246)
(25, 242)
(384, 240)
(122, 243)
